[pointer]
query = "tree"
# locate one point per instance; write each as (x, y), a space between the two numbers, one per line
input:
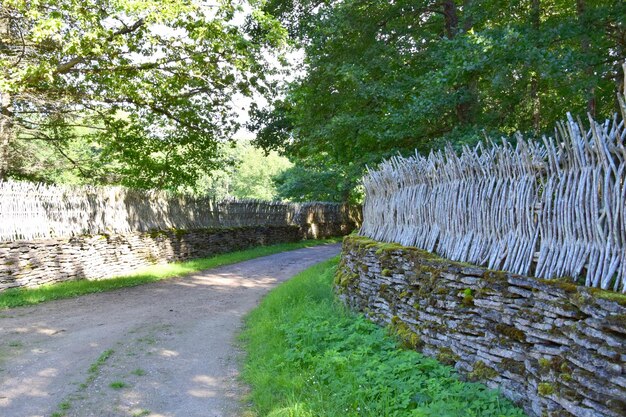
(249, 175)
(317, 183)
(148, 82)
(253, 176)
(383, 78)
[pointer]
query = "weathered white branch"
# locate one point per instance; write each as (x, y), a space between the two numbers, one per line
(549, 210)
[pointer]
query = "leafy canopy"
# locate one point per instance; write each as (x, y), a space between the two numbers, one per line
(147, 85)
(250, 176)
(382, 78)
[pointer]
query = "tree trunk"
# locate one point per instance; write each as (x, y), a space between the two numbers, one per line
(6, 132)
(451, 26)
(468, 19)
(451, 18)
(535, 101)
(585, 46)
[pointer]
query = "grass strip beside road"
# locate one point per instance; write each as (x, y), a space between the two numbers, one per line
(307, 356)
(28, 296)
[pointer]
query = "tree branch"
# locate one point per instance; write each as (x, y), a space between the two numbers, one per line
(65, 67)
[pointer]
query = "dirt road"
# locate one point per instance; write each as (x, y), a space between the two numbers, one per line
(163, 349)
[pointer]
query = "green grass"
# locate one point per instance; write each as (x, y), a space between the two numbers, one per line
(28, 296)
(95, 367)
(93, 371)
(308, 356)
(118, 384)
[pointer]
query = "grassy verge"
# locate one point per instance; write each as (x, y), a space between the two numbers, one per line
(307, 356)
(27, 296)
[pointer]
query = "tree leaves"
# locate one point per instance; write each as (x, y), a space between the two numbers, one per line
(389, 77)
(156, 79)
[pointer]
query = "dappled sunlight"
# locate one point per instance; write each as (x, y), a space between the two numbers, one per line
(21, 330)
(168, 353)
(135, 405)
(47, 331)
(228, 281)
(20, 389)
(171, 344)
(296, 410)
(205, 387)
(49, 372)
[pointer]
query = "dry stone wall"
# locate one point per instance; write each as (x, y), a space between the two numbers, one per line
(37, 262)
(555, 348)
(33, 263)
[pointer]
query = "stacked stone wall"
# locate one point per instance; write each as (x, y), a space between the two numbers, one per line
(553, 347)
(38, 262)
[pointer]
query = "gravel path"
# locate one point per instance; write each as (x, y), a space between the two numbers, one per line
(162, 349)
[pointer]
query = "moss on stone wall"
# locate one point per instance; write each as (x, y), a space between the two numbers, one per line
(545, 389)
(408, 338)
(511, 332)
(447, 356)
(467, 298)
(552, 345)
(481, 372)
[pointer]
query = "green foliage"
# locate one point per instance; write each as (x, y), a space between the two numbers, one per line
(94, 368)
(308, 356)
(390, 77)
(142, 89)
(118, 384)
(253, 177)
(250, 175)
(467, 297)
(28, 296)
(321, 183)
(40, 161)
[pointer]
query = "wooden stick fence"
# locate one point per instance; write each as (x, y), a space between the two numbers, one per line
(32, 211)
(550, 209)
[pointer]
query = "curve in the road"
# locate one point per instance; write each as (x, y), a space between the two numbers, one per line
(162, 349)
